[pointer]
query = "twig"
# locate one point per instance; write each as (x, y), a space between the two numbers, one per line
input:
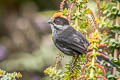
(70, 11)
(58, 60)
(102, 68)
(101, 77)
(94, 21)
(62, 5)
(83, 70)
(95, 24)
(87, 56)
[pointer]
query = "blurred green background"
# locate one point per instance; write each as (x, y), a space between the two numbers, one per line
(25, 37)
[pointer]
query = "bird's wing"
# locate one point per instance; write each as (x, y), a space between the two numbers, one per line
(74, 40)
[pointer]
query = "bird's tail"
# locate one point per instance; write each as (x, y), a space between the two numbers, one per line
(104, 57)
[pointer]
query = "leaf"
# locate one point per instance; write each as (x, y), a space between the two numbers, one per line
(111, 77)
(117, 62)
(115, 0)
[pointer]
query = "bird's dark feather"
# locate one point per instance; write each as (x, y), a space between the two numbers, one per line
(72, 41)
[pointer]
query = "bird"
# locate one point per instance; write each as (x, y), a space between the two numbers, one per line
(68, 40)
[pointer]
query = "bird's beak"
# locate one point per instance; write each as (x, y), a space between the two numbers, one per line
(50, 21)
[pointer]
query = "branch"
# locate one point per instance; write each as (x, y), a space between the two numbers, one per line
(98, 5)
(94, 21)
(116, 38)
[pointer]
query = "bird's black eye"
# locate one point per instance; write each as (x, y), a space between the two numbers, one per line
(57, 21)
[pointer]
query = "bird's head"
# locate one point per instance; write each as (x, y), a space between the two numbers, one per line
(58, 22)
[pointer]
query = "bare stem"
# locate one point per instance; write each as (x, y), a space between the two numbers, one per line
(76, 20)
(116, 38)
(62, 5)
(58, 60)
(92, 64)
(94, 21)
(98, 5)
(70, 11)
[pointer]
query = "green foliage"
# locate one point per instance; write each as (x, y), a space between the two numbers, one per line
(58, 74)
(86, 66)
(110, 9)
(9, 76)
(116, 1)
(107, 23)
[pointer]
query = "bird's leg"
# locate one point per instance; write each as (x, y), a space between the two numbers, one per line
(75, 59)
